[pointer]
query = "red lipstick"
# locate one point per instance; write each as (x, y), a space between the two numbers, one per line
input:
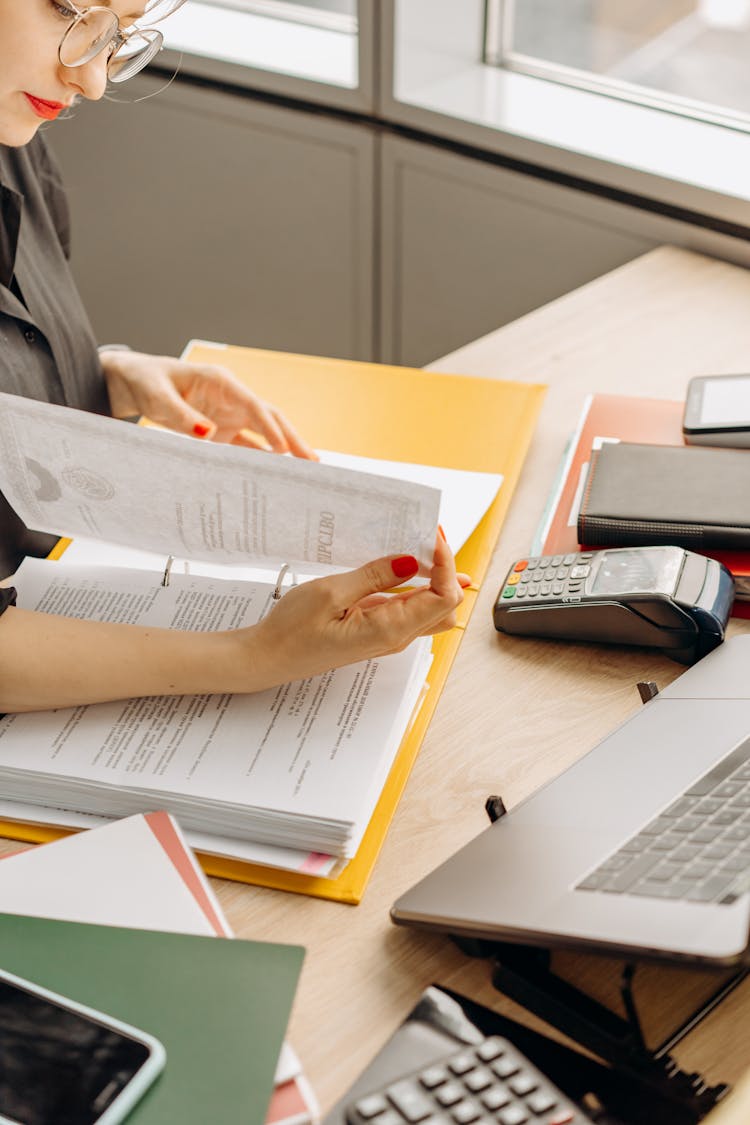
(47, 110)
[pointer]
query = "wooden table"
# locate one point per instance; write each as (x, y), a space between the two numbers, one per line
(516, 711)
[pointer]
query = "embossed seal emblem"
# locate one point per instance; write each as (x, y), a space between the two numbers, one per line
(91, 484)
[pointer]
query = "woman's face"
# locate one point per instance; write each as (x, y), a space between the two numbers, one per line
(33, 81)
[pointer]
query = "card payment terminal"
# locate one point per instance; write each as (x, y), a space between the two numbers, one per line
(660, 597)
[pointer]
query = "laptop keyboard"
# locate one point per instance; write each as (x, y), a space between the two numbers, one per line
(698, 849)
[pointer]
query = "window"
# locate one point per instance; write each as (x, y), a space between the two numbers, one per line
(273, 45)
(687, 56)
(332, 15)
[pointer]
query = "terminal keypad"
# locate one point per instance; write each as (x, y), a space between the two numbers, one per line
(547, 578)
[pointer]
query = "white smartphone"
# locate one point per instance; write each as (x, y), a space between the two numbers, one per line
(717, 411)
(61, 1061)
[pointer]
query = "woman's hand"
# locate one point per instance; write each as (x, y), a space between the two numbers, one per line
(48, 660)
(203, 400)
(338, 620)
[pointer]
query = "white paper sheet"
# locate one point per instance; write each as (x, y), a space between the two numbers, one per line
(73, 473)
(464, 499)
(464, 496)
(118, 875)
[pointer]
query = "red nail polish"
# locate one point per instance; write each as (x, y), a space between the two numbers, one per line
(200, 429)
(404, 566)
(442, 533)
(464, 583)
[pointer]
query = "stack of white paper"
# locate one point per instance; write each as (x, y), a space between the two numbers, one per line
(300, 766)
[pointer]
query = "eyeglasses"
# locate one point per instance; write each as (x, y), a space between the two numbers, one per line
(97, 29)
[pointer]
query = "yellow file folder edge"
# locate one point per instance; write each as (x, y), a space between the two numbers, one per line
(458, 421)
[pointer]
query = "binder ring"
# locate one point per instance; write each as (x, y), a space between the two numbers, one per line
(167, 571)
(278, 589)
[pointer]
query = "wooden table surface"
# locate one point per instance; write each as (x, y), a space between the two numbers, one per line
(517, 711)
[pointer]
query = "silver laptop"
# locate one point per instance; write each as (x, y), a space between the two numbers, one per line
(641, 846)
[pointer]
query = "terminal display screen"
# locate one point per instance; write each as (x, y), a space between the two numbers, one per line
(637, 572)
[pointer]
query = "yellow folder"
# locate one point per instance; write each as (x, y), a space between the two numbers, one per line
(399, 414)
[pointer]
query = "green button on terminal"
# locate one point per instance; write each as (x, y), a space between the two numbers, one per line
(509, 592)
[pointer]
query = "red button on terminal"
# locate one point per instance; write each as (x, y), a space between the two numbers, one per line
(521, 564)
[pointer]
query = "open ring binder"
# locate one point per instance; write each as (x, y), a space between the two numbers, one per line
(278, 590)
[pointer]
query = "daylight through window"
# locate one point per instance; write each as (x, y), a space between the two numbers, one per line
(687, 56)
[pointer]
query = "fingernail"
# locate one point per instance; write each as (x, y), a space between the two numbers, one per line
(200, 429)
(404, 565)
(442, 533)
(464, 583)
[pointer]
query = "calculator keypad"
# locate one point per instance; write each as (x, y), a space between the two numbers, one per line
(489, 1083)
(547, 578)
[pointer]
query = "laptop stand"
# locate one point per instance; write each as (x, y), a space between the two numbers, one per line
(523, 974)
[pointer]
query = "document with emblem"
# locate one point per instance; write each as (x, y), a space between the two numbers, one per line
(74, 474)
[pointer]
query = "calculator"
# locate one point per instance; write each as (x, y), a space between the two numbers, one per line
(492, 1082)
(659, 597)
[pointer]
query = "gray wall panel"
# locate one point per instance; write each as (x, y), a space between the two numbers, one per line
(200, 213)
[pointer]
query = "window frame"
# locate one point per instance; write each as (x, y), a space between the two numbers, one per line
(498, 34)
(439, 85)
(235, 47)
(293, 11)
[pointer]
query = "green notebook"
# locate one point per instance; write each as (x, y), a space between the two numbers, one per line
(219, 1006)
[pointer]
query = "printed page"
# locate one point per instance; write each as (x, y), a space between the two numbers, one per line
(96, 553)
(73, 473)
(464, 496)
(318, 748)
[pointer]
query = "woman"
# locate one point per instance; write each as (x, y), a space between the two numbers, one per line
(51, 55)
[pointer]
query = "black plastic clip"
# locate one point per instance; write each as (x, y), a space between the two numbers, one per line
(647, 690)
(495, 808)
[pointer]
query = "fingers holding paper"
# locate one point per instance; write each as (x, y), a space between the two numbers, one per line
(338, 620)
(204, 400)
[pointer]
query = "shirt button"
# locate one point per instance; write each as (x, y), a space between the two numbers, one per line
(30, 335)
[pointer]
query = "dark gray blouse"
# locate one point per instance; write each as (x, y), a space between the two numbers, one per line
(47, 346)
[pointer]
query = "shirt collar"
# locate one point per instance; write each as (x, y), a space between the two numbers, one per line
(10, 222)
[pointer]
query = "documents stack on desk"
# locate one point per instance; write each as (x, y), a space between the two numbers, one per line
(295, 767)
(298, 767)
(293, 787)
(138, 873)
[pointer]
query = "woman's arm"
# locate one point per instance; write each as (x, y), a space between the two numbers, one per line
(48, 661)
